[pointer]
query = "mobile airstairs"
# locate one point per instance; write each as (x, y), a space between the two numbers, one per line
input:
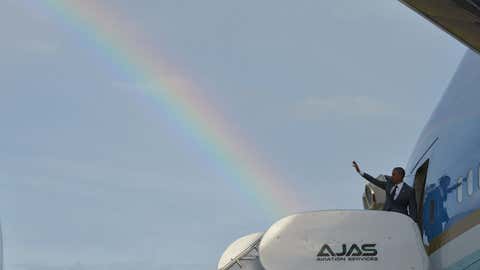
(333, 240)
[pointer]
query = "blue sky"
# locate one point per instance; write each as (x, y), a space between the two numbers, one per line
(94, 176)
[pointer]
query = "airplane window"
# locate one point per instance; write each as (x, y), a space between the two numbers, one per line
(470, 183)
(459, 189)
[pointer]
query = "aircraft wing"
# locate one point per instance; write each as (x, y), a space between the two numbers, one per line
(460, 18)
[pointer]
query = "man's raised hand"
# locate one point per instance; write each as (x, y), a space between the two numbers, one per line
(355, 165)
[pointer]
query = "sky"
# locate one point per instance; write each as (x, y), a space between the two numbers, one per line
(96, 172)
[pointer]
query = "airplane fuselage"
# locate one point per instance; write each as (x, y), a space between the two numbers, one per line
(448, 151)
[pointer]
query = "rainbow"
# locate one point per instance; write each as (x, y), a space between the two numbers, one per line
(180, 101)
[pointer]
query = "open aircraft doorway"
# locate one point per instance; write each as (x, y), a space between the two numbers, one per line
(419, 186)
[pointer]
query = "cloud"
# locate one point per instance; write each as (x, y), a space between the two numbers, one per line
(72, 175)
(343, 106)
(39, 47)
(35, 47)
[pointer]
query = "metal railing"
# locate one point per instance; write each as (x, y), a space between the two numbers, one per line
(244, 255)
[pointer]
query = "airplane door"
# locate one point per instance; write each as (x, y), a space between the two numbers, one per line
(419, 186)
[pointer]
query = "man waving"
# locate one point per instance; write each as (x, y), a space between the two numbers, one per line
(400, 197)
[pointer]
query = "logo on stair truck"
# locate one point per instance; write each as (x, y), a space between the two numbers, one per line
(346, 252)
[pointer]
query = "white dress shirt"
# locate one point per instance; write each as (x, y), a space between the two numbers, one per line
(399, 188)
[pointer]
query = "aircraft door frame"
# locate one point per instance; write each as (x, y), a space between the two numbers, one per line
(419, 185)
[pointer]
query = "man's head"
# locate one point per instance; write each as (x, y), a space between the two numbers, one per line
(398, 174)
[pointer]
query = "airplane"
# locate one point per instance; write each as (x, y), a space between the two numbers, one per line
(444, 169)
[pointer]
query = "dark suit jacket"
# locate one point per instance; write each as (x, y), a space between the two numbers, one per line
(405, 202)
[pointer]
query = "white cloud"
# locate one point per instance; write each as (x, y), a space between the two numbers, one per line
(35, 47)
(39, 47)
(344, 106)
